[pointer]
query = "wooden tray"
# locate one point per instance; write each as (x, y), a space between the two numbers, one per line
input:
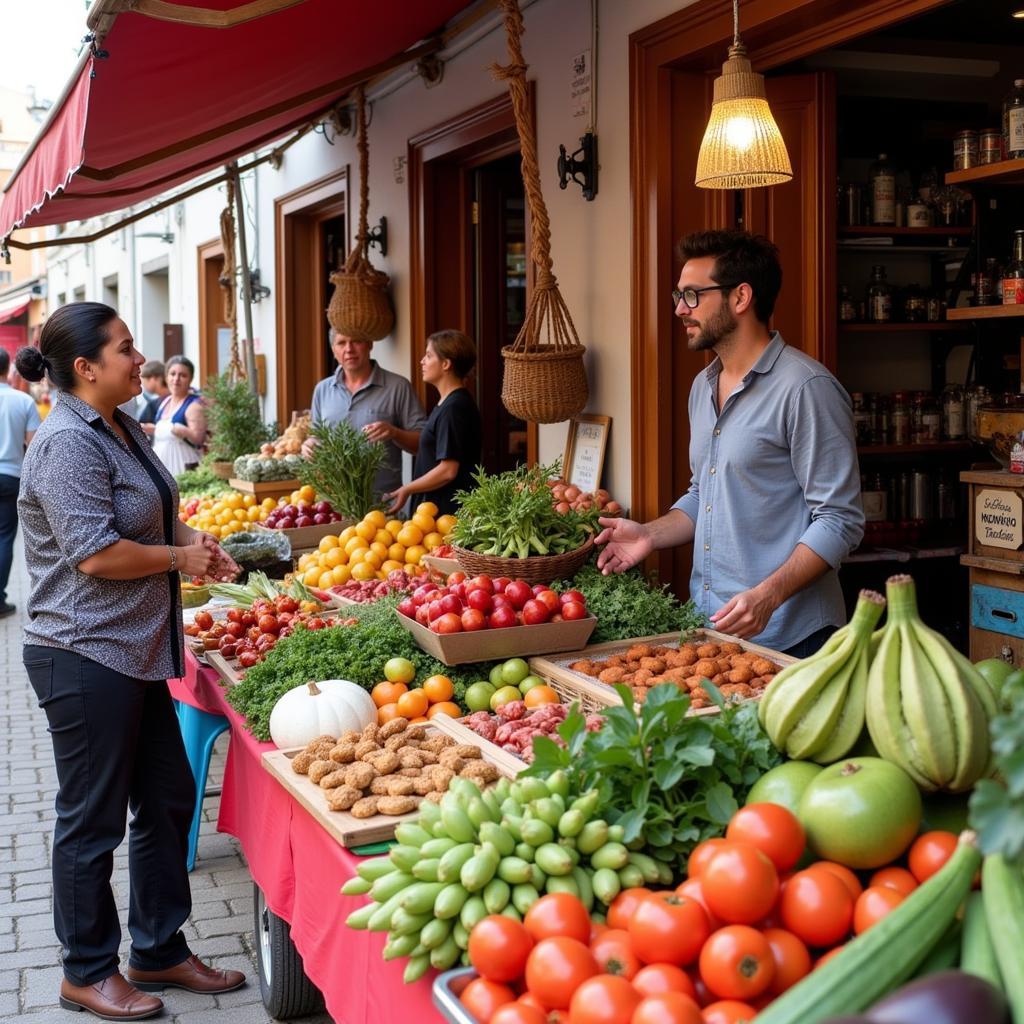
(346, 829)
(594, 695)
(229, 671)
(306, 538)
(266, 488)
(440, 566)
(508, 764)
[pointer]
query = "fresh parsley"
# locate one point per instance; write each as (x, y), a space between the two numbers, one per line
(997, 808)
(671, 780)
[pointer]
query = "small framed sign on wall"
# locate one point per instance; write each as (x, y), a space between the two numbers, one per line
(585, 445)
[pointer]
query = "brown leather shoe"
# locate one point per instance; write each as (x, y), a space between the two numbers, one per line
(112, 998)
(192, 975)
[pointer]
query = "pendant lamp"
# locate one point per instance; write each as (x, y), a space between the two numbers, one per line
(742, 145)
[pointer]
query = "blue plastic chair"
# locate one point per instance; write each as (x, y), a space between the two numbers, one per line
(199, 730)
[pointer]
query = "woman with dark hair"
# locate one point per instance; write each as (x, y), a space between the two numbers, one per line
(449, 446)
(104, 547)
(180, 430)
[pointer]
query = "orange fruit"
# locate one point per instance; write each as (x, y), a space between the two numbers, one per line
(366, 530)
(386, 713)
(438, 688)
(419, 720)
(376, 518)
(387, 692)
(445, 707)
(413, 704)
(424, 522)
(426, 508)
(364, 571)
(539, 695)
(394, 527)
(445, 524)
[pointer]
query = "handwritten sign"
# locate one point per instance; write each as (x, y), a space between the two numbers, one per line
(584, 453)
(580, 86)
(999, 519)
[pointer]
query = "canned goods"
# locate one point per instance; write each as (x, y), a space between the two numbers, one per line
(965, 150)
(921, 505)
(990, 145)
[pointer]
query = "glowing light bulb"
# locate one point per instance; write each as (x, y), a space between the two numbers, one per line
(739, 132)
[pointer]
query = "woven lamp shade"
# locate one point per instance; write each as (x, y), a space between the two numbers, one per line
(742, 147)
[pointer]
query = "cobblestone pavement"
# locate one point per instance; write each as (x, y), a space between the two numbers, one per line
(219, 929)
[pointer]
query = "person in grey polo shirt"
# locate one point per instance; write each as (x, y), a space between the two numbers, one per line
(380, 403)
(773, 505)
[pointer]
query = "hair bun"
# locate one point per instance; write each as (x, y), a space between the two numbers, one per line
(30, 363)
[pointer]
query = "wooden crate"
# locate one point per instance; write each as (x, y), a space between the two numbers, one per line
(346, 829)
(593, 695)
(995, 522)
(440, 567)
(266, 488)
(229, 671)
(307, 538)
(508, 764)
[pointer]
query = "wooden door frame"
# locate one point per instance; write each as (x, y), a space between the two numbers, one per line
(301, 303)
(207, 346)
(775, 32)
(483, 132)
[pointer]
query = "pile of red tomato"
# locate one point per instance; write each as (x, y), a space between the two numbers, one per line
(742, 929)
(466, 605)
(249, 633)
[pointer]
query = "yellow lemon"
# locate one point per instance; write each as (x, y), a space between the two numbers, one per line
(341, 574)
(307, 493)
(311, 577)
(354, 542)
(394, 527)
(396, 552)
(242, 515)
(366, 530)
(410, 534)
(269, 504)
(383, 537)
(347, 534)
(358, 554)
(426, 508)
(335, 557)
(414, 553)
(254, 514)
(445, 524)
(380, 549)
(391, 565)
(214, 530)
(376, 517)
(424, 522)
(326, 579)
(364, 571)
(411, 570)
(234, 501)
(327, 543)
(372, 558)
(248, 500)
(433, 540)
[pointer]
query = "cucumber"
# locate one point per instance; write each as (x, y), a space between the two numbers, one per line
(1002, 886)
(404, 923)
(536, 832)
(496, 895)
(616, 833)
(426, 869)
(502, 788)
(419, 898)
(525, 852)
(478, 871)
(437, 847)
(511, 913)
(451, 863)
(631, 877)
(880, 959)
(381, 919)
(411, 834)
(585, 887)
(376, 868)
(406, 857)
(945, 954)
(384, 888)
(563, 883)
(434, 933)
(473, 911)
(571, 823)
(514, 870)
(360, 919)
(493, 804)
(548, 811)
(457, 823)
(356, 886)
(450, 901)
(606, 885)
(554, 860)
(479, 813)
(611, 855)
(558, 784)
(977, 954)
(430, 815)
(464, 788)
(592, 837)
(523, 897)
(501, 838)
(460, 935)
(416, 968)
(648, 865)
(400, 945)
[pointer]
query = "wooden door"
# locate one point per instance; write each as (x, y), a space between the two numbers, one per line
(800, 216)
(211, 311)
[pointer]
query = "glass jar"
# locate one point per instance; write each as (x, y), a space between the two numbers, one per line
(915, 306)
(919, 213)
(936, 306)
(847, 307)
(862, 424)
(930, 430)
(878, 406)
(883, 191)
(1013, 121)
(879, 297)
(977, 396)
(965, 150)
(952, 412)
(900, 418)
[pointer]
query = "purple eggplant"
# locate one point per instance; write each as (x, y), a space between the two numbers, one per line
(947, 997)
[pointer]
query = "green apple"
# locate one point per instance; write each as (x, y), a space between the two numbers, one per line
(478, 696)
(784, 785)
(514, 671)
(496, 677)
(505, 695)
(399, 670)
(529, 683)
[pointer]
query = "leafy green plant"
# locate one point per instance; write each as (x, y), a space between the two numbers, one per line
(997, 807)
(669, 779)
(630, 605)
(236, 424)
(356, 653)
(343, 467)
(200, 482)
(511, 515)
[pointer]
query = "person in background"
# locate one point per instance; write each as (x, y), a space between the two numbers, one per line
(380, 403)
(104, 547)
(179, 432)
(774, 502)
(154, 391)
(19, 420)
(449, 447)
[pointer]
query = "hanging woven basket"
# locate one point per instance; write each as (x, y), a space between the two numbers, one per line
(545, 378)
(360, 306)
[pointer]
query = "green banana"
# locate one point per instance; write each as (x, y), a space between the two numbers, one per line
(819, 721)
(926, 711)
(850, 724)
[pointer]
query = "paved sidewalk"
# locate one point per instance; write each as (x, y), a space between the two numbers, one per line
(219, 930)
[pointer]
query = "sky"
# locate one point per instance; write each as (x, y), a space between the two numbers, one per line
(41, 41)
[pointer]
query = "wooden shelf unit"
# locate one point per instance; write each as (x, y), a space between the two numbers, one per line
(934, 448)
(1006, 172)
(985, 312)
(900, 328)
(875, 231)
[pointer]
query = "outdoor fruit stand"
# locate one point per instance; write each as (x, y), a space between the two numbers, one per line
(575, 775)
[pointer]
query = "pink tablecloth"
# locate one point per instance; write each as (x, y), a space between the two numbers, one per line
(301, 869)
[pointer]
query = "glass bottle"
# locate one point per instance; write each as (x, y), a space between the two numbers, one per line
(847, 307)
(919, 213)
(984, 281)
(1013, 120)
(861, 418)
(977, 396)
(1013, 275)
(952, 412)
(878, 407)
(900, 418)
(915, 307)
(879, 297)
(931, 418)
(917, 427)
(883, 191)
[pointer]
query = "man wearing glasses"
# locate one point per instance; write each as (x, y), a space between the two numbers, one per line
(773, 505)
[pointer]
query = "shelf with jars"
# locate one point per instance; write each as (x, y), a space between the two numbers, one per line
(937, 325)
(886, 231)
(928, 448)
(985, 312)
(1005, 172)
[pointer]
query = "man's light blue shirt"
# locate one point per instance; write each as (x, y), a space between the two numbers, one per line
(18, 416)
(775, 468)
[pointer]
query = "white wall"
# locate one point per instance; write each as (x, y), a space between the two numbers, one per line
(590, 240)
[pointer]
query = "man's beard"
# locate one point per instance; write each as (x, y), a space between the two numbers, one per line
(720, 326)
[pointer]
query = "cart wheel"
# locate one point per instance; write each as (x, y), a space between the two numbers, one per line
(285, 989)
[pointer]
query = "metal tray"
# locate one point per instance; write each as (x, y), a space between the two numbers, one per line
(446, 991)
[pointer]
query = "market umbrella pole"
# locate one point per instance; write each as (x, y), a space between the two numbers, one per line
(243, 252)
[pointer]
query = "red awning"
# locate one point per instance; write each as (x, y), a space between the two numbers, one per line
(158, 102)
(14, 307)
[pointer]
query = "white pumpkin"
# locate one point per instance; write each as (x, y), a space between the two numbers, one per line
(320, 709)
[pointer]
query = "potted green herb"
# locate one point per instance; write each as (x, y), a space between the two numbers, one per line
(342, 469)
(236, 425)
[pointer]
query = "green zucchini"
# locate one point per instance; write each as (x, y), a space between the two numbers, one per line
(945, 954)
(977, 954)
(1002, 886)
(887, 954)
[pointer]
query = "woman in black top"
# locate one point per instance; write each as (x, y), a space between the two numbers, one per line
(449, 445)
(104, 546)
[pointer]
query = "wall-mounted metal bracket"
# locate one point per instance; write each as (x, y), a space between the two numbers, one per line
(378, 236)
(580, 166)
